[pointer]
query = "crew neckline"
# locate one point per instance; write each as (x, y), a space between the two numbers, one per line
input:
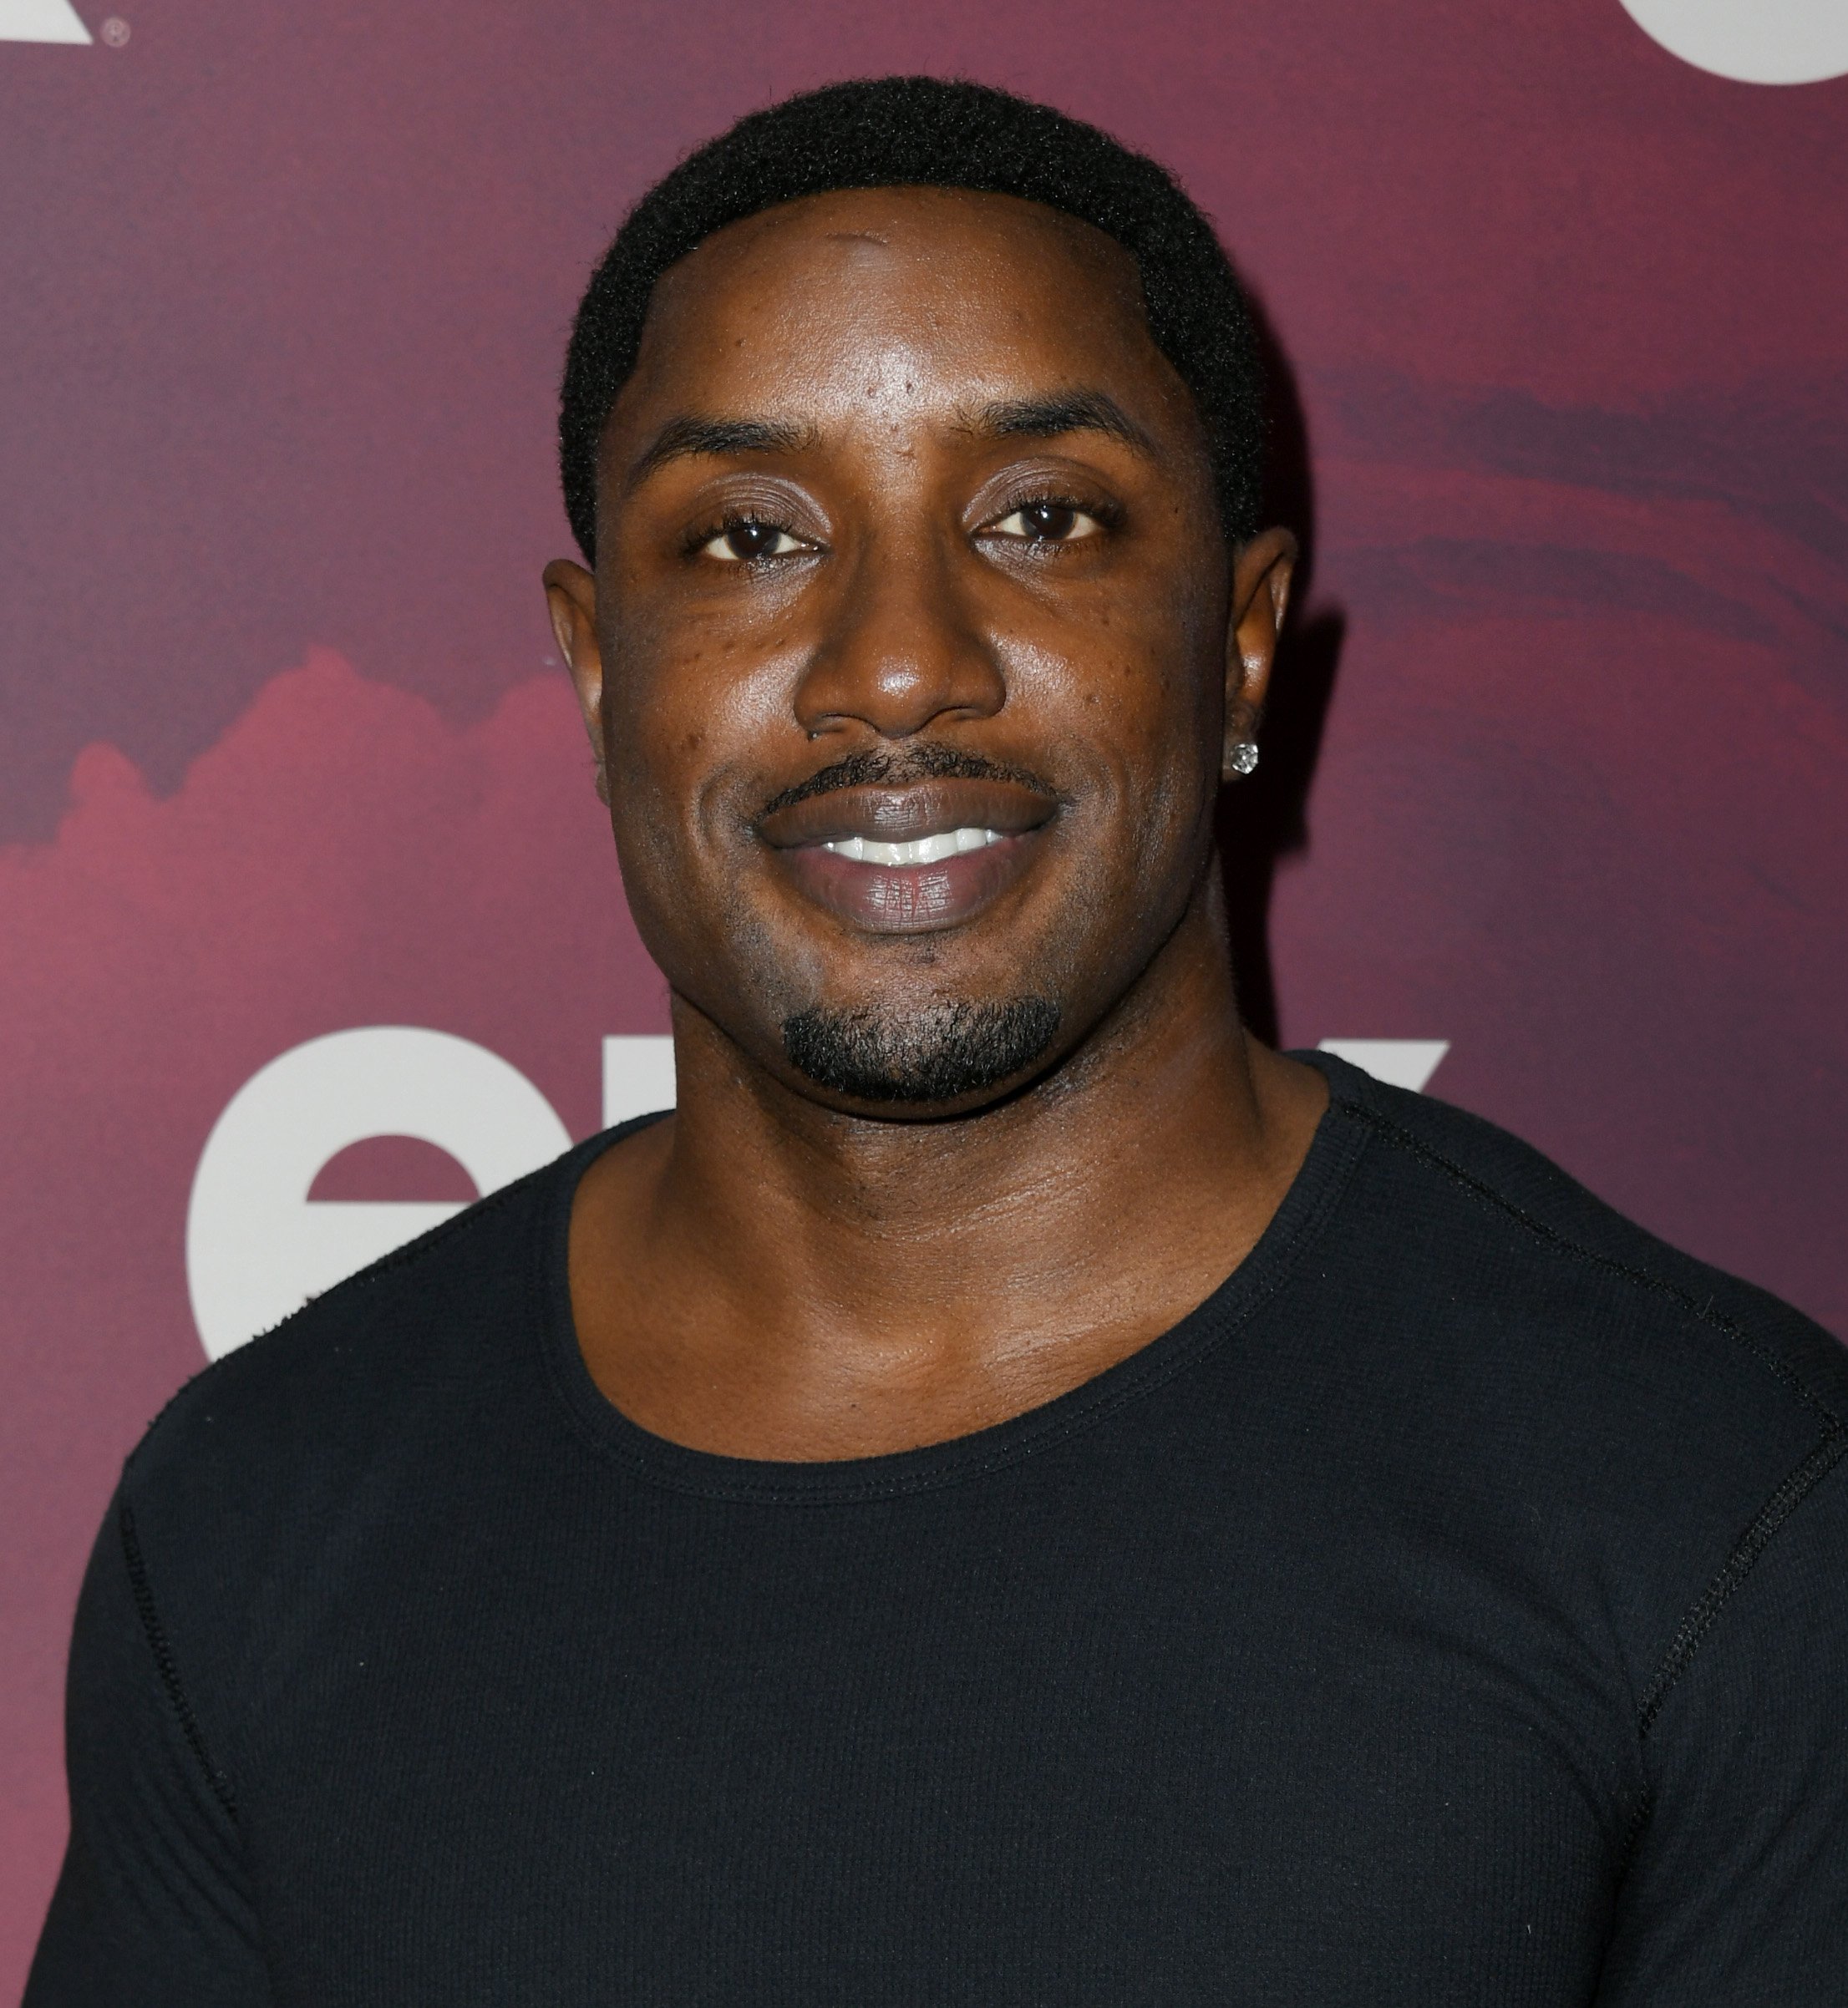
(1299, 1222)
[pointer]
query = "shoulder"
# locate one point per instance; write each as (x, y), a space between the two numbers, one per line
(297, 1491)
(1481, 1217)
(1658, 1424)
(277, 1439)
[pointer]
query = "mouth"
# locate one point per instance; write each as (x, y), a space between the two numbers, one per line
(909, 859)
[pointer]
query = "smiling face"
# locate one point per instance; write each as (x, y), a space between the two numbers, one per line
(914, 649)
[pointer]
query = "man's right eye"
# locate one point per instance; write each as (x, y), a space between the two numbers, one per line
(747, 539)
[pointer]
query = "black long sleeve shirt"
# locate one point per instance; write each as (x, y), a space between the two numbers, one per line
(1452, 1609)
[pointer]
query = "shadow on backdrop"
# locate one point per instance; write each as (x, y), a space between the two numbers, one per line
(1263, 819)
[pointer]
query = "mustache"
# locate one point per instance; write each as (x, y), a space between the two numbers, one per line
(875, 767)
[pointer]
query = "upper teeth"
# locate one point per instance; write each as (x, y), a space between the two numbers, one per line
(921, 851)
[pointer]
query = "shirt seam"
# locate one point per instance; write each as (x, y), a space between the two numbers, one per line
(1703, 1613)
(1820, 1459)
(168, 1668)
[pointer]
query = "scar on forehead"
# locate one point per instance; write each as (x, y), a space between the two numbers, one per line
(858, 236)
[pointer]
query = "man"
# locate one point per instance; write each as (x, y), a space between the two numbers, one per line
(1014, 1493)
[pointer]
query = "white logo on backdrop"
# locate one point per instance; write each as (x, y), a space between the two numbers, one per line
(1400, 1063)
(41, 21)
(1751, 41)
(258, 1247)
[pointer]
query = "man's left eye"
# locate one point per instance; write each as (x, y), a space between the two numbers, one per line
(749, 538)
(1047, 522)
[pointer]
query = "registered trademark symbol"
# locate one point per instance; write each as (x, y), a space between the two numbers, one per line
(115, 31)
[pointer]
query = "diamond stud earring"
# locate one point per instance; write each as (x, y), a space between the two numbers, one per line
(1244, 757)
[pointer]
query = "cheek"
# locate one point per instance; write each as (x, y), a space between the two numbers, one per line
(686, 700)
(691, 714)
(1134, 715)
(1164, 770)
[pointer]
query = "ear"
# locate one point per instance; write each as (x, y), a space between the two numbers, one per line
(1261, 595)
(570, 599)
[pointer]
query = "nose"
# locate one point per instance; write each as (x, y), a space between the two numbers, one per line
(900, 649)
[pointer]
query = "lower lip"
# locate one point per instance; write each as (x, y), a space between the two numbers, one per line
(908, 899)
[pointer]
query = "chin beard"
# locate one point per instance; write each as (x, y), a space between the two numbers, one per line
(944, 1052)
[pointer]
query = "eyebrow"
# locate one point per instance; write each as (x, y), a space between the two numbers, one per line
(1044, 418)
(686, 439)
(1074, 411)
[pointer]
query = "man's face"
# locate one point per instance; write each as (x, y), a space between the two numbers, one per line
(908, 645)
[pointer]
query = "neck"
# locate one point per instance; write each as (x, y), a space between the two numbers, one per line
(772, 1278)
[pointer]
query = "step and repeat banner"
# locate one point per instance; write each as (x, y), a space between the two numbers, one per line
(309, 929)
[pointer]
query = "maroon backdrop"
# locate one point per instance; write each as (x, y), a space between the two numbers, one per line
(286, 289)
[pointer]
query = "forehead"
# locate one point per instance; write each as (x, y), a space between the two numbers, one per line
(966, 294)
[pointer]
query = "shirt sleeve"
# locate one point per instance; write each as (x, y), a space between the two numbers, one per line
(152, 1906)
(1738, 1892)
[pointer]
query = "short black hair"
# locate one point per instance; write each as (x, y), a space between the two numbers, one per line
(898, 131)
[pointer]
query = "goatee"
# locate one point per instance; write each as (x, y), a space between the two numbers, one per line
(943, 1052)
